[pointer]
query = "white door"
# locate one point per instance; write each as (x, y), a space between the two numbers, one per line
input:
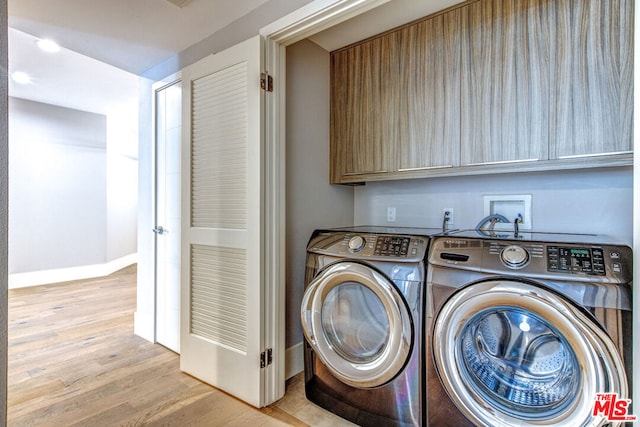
(222, 326)
(168, 102)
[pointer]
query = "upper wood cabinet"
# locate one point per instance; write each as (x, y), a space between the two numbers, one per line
(592, 110)
(490, 86)
(364, 114)
(505, 96)
(395, 102)
(430, 94)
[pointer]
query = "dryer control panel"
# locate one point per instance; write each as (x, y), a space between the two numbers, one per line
(394, 246)
(370, 246)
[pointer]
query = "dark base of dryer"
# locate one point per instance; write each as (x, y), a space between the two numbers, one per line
(396, 404)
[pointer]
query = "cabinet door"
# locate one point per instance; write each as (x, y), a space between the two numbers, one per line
(594, 78)
(430, 74)
(364, 108)
(505, 81)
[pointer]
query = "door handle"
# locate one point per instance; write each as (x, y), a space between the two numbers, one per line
(159, 230)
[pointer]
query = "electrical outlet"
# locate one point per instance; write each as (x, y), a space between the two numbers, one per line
(391, 214)
(450, 216)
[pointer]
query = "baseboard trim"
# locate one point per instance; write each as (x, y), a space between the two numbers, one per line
(45, 277)
(294, 360)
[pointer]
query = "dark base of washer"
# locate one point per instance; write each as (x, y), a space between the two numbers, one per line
(441, 411)
(395, 404)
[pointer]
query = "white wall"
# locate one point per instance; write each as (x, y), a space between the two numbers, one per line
(122, 184)
(311, 201)
(73, 195)
(57, 187)
(584, 201)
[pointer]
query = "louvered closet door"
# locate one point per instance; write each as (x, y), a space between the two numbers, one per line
(221, 300)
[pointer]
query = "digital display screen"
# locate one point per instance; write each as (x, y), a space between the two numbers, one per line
(575, 260)
(392, 246)
(582, 252)
(396, 240)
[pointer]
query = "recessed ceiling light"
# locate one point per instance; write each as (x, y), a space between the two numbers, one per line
(21, 77)
(48, 45)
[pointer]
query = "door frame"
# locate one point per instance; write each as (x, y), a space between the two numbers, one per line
(298, 25)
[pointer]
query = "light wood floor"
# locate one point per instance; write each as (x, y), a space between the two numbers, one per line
(74, 361)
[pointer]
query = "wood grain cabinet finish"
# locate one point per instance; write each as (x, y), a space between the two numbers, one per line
(395, 102)
(506, 81)
(593, 71)
(490, 86)
(430, 94)
(364, 114)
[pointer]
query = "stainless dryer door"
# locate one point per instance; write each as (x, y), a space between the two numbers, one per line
(515, 354)
(357, 323)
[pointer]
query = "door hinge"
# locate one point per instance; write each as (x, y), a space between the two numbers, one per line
(266, 82)
(266, 358)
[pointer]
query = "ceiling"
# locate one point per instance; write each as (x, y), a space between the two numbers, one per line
(133, 35)
(68, 79)
(106, 44)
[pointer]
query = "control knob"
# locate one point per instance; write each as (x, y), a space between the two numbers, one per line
(356, 243)
(514, 256)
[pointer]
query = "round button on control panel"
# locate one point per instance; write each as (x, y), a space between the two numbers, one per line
(356, 243)
(514, 256)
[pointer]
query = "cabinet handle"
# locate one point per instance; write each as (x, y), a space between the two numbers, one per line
(364, 173)
(424, 168)
(502, 162)
(613, 153)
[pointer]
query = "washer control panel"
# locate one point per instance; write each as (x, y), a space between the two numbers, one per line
(589, 262)
(577, 260)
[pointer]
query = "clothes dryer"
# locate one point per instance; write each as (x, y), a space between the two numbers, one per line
(528, 331)
(362, 317)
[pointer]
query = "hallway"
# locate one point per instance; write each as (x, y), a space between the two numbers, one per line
(74, 361)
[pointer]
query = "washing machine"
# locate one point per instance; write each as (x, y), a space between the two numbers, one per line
(533, 330)
(362, 317)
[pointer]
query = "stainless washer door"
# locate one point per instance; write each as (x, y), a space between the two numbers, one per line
(514, 354)
(358, 324)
